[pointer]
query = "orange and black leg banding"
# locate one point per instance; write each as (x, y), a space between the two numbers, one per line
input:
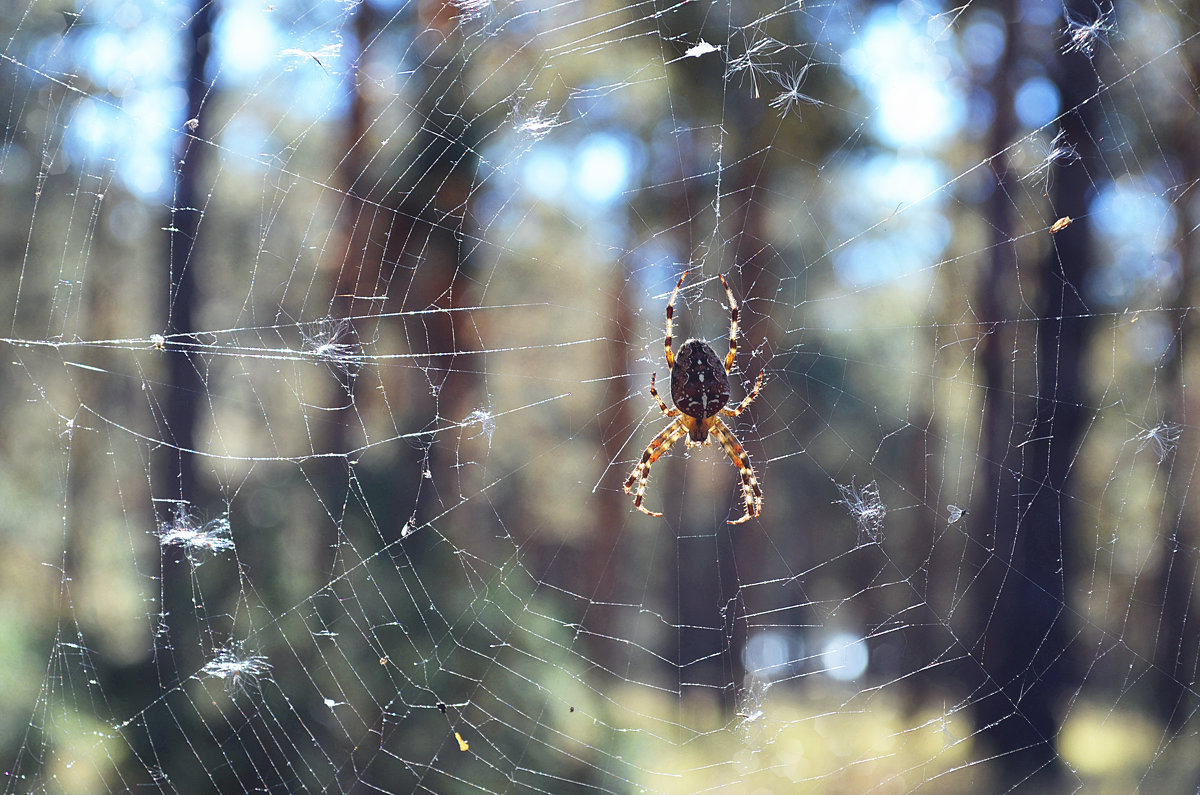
(670, 316)
(641, 473)
(739, 408)
(751, 493)
(670, 412)
(733, 327)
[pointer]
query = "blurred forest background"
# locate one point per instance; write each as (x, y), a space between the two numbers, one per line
(328, 335)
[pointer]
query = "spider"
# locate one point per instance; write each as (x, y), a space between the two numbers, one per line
(699, 390)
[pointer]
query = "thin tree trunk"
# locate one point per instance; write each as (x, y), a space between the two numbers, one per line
(1175, 653)
(603, 558)
(1019, 729)
(175, 478)
(1031, 447)
(713, 630)
(185, 381)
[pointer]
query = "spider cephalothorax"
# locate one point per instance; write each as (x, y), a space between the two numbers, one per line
(700, 391)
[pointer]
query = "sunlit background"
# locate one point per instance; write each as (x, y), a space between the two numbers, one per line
(330, 336)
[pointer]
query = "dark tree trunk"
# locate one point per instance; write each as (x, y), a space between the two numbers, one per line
(177, 486)
(1177, 640)
(1031, 445)
(403, 233)
(604, 555)
(400, 259)
(999, 517)
(712, 610)
(186, 385)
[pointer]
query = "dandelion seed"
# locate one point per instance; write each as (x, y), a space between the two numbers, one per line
(486, 421)
(757, 61)
(1163, 437)
(197, 539)
(866, 506)
(1082, 35)
(792, 98)
(1059, 152)
(332, 340)
(534, 124)
(239, 671)
(470, 10)
(321, 56)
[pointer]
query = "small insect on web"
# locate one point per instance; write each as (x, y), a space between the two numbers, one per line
(699, 390)
(1061, 224)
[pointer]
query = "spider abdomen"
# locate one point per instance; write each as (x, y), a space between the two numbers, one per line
(699, 384)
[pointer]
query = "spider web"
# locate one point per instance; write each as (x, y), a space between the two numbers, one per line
(330, 332)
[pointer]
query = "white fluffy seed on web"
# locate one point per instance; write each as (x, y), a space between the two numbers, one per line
(332, 340)
(791, 98)
(1162, 437)
(535, 123)
(1059, 152)
(757, 61)
(469, 10)
(485, 419)
(865, 506)
(1082, 35)
(197, 539)
(239, 671)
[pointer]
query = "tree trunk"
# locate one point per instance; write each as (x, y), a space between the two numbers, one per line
(1178, 637)
(185, 381)
(1026, 655)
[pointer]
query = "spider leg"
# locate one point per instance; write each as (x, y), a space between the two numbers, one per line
(733, 326)
(751, 493)
(670, 412)
(739, 408)
(641, 473)
(670, 315)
